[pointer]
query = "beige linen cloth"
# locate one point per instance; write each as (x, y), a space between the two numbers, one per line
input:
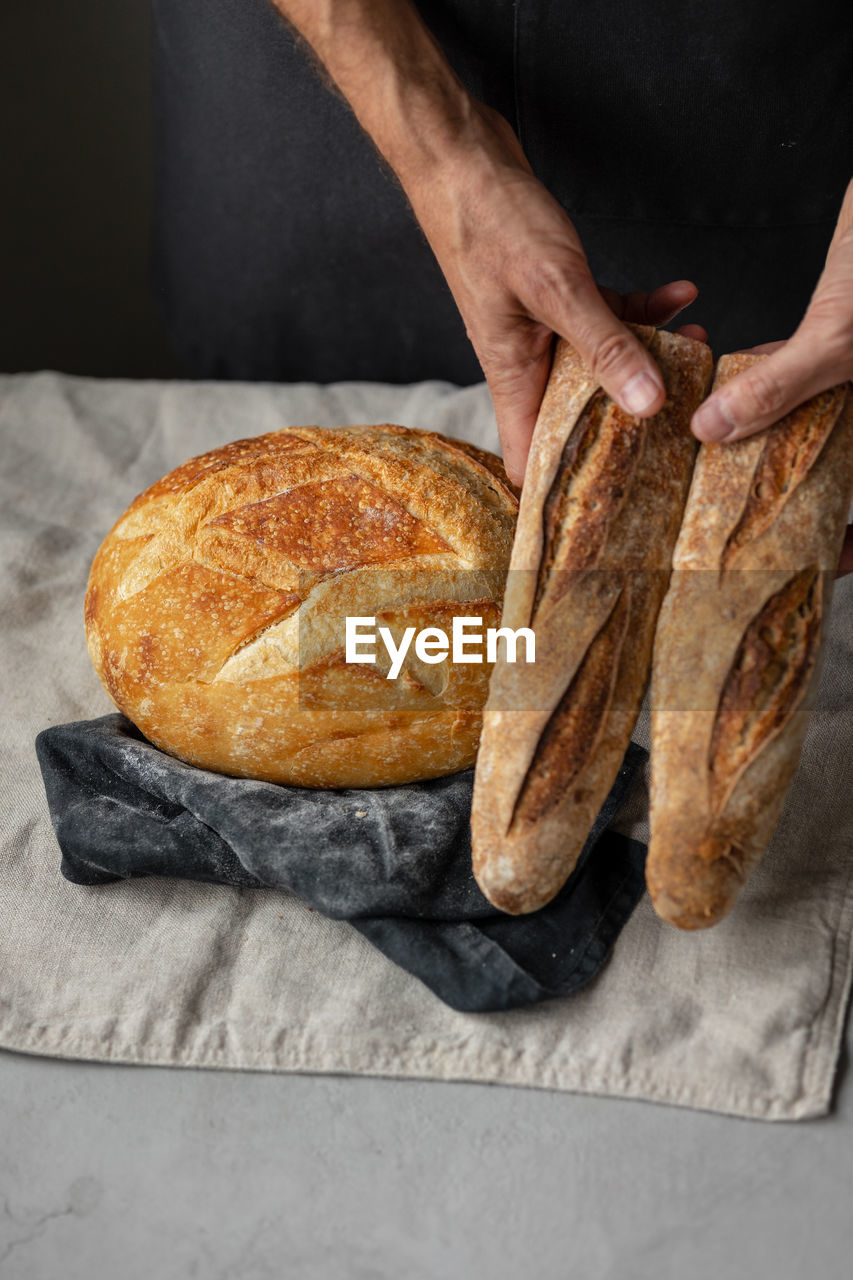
(744, 1019)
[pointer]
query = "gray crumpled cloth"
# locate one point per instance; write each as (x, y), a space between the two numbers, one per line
(394, 861)
(745, 1018)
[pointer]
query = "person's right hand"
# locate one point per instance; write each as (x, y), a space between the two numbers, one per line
(519, 275)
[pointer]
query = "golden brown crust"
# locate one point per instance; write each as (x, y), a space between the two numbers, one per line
(600, 511)
(593, 478)
(332, 525)
(571, 735)
(215, 608)
(786, 458)
(770, 672)
(737, 647)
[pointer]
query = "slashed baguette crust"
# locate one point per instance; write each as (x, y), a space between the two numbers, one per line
(215, 608)
(600, 512)
(737, 647)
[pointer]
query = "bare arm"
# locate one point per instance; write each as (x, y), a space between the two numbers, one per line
(511, 257)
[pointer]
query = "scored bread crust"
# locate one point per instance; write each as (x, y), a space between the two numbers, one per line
(215, 607)
(737, 648)
(599, 515)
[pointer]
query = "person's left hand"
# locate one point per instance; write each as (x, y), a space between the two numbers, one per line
(818, 356)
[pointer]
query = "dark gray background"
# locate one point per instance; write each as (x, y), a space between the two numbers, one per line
(75, 209)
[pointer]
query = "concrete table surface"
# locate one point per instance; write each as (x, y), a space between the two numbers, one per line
(158, 1174)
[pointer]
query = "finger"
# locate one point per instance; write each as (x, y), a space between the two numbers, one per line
(661, 305)
(517, 387)
(656, 307)
(571, 305)
(762, 395)
(763, 349)
(694, 331)
(845, 564)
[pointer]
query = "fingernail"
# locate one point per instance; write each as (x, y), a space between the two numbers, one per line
(639, 393)
(712, 422)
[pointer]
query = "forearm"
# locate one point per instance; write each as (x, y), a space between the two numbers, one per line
(510, 255)
(395, 77)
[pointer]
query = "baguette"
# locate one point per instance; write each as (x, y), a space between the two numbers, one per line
(737, 649)
(599, 515)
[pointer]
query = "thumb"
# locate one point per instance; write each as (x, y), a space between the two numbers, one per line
(573, 307)
(760, 396)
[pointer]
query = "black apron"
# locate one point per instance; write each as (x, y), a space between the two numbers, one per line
(685, 139)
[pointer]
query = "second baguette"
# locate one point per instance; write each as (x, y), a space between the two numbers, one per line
(737, 648)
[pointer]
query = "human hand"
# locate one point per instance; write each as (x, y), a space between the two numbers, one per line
(818, 356)
(518, 273)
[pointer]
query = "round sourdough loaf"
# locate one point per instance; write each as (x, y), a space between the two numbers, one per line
(216, 606)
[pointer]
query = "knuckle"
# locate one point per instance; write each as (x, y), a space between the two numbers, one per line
(766, 394)
(837, 348)
(562, 280)
(499, 358)
(609, 353)
(493, 345)
(549, 280)
(828, 329)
